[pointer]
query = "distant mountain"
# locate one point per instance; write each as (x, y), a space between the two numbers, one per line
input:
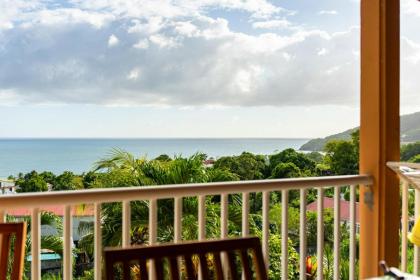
(410, 132)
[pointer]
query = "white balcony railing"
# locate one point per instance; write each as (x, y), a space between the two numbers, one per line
(35, 201)
(409, 174)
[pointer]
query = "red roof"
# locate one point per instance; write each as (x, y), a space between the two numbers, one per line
(78, 211)
(344, 208)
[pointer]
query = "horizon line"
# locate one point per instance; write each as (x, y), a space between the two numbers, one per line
(151, 138)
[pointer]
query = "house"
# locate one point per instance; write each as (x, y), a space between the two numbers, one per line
(344, 209)
(80, 214)
(7, 186)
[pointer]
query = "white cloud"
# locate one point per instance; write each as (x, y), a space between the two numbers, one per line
(322, 51)
(328, 12)
(163, 41)
(152, 25)
(209, 65)
(186, 28)
(187, 58)
(134, 74)
(113, 41)
(410, 7)
(272, 24)
(142, 44)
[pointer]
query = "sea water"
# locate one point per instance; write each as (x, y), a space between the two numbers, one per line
(79, 155)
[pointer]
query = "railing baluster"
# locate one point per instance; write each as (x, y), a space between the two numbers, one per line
(284, 233)
(302, 235)
(320, 235)
(201, 217)
(126, 223)
(416, 248)
(404, 226)
(98, 241)
(153, 218)
(266, 225)
(224, 216)
(245, 214)
(67, 252)
(337, 233)
(178, 220)
(245, 218)
(201, 224)
(36, 244)
(153, 221)
(352, 253)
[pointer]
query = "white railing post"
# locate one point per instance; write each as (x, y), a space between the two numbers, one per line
(352, 253)
(320, 235)
(245, 214)
(302, 235)
(224, 216)
(36, 244)
(126, 223)
(284, 233)
(201, 224)
(153, 221)
(337, 233)
(68, 244)
(266, 226)
(98, 242)
(178, 219)
(404, 226)
(201, 217)
(245, 218)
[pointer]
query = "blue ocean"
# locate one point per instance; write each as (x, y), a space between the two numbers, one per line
(79, 155)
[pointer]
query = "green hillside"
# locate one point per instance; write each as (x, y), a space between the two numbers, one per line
(410, 132)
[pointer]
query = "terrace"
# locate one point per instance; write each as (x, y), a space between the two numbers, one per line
(377, 185)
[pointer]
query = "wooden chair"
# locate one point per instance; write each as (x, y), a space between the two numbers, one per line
(7, 231)
(169, 258)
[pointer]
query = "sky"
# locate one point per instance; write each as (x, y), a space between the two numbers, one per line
(198, 68)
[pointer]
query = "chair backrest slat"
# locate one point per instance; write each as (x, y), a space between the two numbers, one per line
(204, 267)
(143, 269)
(191, 257)
(159, 268)
(218, 266)
(189, 267)
(246, 267)
(232, 266)
(126, 270)
(173, 264)
(4, 249)
(7, 231)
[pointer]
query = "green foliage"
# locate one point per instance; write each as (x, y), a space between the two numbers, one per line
(343, 156)
(247, 166)
(88, 179)
(415, 159)
(286, 170)
(48, 177)
(300, 160)
(164, 158)
(221, 175)
(409, 151)
(274, 272)
(64, 182)
(315, 157)
(31, 182)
